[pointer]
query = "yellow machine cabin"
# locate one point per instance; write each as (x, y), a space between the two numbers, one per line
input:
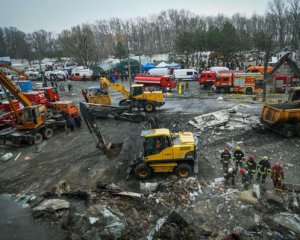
(167, 152)
(98, 95)
(137, 96)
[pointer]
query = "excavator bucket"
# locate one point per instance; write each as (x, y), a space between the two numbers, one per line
(111, 150)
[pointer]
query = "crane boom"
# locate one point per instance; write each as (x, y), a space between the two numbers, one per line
(14, 90)
(118, 87)
(14, 69)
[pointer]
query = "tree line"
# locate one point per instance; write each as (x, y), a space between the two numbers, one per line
(171, 31)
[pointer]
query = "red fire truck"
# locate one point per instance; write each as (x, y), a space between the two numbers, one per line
(51, 94)
(207, 79)
(247, 83)
(166, 83)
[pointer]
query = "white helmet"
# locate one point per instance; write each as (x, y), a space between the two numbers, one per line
(230, 170)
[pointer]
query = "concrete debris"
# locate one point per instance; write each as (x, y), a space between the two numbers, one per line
(6, 157)
(224, 120)
(113, 223)
(287, 221)
(129, 194)
(62, 187)
(156, 229)
(93, 220)
(148, 187)
(21, 199)
(247, 196)
(220, 99)
(292, 187)
(52, 205)
(274, 198)
(256, 191)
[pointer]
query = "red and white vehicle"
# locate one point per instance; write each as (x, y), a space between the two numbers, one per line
(7, 115)
(165, 83)
(207, 78)
(247, 83)
(51, 94)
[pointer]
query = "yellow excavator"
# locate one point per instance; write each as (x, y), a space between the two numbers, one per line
(137, 96)
(32, 123)
(164, 152)
(31, 116)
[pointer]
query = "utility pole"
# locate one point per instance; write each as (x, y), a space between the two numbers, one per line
(129, 68)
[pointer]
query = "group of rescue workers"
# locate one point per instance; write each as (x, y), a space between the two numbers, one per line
(249, 168)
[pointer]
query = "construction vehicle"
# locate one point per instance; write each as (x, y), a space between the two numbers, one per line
(165, 83)
(98, 96)
(247, 83)
(23, 75)
(66, 107)
(125, 113)
(137, 97)
(284, 118)
(166, 152)
(32, 123)
(110, 149)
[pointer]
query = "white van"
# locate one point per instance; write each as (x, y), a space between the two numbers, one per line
(186, 74)
(159, 71)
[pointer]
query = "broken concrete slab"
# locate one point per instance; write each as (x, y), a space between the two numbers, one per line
(256, 191)
(247, 196)
(292, 187)
(113, 223)
(147, 187)
(52, 205)
(6, 157)
(287, 221)
(274, 198)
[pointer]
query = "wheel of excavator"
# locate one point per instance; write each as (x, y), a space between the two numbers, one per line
(289, 131)
(48, 133)
(142, 171)
(149, 107)
(37, 138)
(183, 170)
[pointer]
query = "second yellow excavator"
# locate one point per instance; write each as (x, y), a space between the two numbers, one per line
(137, 96)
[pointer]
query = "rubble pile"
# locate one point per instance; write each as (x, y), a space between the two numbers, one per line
(225, 120)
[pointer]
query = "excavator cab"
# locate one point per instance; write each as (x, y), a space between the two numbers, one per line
(137, 89)
(31, 117)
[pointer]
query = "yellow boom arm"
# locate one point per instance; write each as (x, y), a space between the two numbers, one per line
(118, 87)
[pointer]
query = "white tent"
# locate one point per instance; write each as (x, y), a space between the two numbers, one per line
(162, 65)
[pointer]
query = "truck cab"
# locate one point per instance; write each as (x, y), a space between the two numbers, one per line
(167, 152)
(207, 78)
(51, 93)
(223, 83)
(67, 107)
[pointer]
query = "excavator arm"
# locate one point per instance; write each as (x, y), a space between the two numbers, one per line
(14, 90)
(290, 62)
(118, 87)
(14, 69)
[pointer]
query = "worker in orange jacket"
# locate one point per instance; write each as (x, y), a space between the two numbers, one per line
(277, 175)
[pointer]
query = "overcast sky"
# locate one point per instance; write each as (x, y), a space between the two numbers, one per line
(56, 15)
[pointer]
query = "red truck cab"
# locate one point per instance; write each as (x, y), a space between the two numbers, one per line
(207, 78)
(162, 82)
(223, 83)
(36, 97)
(51, 93)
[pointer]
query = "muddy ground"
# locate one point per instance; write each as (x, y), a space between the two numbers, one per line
(72, 157)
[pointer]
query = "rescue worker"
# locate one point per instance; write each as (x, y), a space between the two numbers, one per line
(78, 121)
(264, 168)
(251, 166)
(245, 178)
(277, 175)
(158, 144)
(238, 156)
(70, 87)
(71, 123)
(187, 86)
(84, 94)
(225, 159)
(230, 174)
